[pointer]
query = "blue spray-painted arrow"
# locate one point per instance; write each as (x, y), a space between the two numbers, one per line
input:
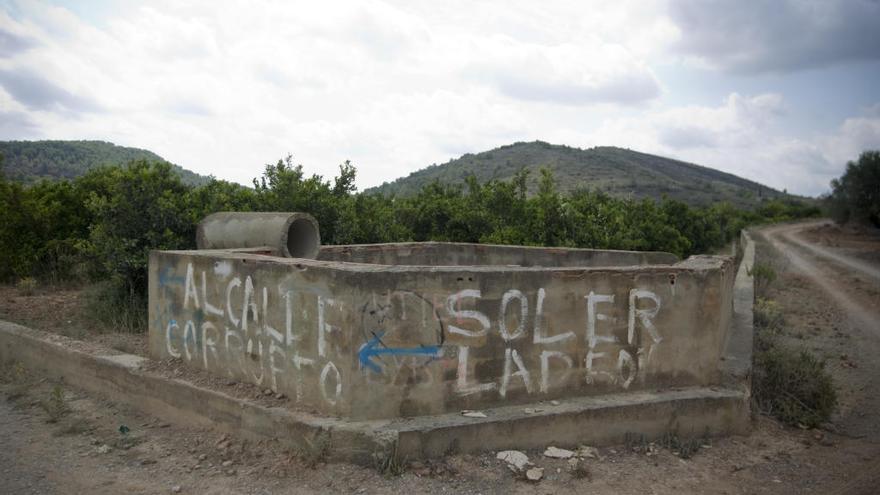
(167, 277)
(371, 348)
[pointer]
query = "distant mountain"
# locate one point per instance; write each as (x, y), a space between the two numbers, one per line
(30, 161)
(616, 171)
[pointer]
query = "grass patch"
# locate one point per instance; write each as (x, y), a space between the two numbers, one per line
(388, 462)
(768, 315)
(764, 275)
(115, 309)
(791, 385)
(685, 448)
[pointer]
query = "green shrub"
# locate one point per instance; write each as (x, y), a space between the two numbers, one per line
(768, 315)
(764, 275)
(115, 308)
(792, 386)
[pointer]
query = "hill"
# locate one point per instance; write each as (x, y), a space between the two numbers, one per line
(30, 161)
(616, 171)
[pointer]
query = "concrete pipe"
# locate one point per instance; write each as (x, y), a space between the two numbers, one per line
(292, 235)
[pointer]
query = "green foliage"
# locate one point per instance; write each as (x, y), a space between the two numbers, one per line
(855, 196)
(143, 207)
(114, 306)
(768, 315)
(764, 275)
(793, 386)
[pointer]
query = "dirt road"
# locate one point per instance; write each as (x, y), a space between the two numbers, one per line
(846, 279)
(827, 288)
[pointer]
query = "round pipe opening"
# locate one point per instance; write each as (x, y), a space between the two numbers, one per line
(303, 238)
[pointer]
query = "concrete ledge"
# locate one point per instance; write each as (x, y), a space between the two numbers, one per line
(737, 356)
(602, 420)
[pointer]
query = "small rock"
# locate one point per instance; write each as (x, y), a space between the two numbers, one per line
(231, 472)
(268, 391)
(557, 453)
(473, 414)
(515, 459)
(554, 402)
(104, 449)
(535, 474)
(279, 396)
(203, 457)
(227, 463)
(176, 489)
(530, 410)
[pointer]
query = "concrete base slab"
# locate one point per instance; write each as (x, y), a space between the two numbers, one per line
(566, 423)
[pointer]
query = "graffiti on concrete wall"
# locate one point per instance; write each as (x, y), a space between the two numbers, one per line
(296, 340)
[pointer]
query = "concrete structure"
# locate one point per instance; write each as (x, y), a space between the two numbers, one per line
(624, 342)
(421, 330)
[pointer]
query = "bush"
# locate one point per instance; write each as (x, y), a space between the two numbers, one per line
(115, 308)
(793, 386)
(768, 315)
(764, 275)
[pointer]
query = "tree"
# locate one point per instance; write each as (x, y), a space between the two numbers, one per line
(855, 196)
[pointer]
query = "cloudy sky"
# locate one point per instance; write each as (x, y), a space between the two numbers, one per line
(780, 91)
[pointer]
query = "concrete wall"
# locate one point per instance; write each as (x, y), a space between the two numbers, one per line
(465, 254)
(382, 341)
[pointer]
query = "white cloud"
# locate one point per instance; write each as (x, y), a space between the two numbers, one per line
(392, 85)
(743, 136)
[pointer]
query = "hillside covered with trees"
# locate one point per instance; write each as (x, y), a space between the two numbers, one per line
(621, 173)
(31, 161)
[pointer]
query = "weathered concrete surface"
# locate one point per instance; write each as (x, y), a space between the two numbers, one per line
(737, 358)
(291, 235)
(595, 420)
(466, 254)
(369, 341)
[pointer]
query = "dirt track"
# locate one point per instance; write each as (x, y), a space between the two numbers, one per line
(831, 309)
(833, 271)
